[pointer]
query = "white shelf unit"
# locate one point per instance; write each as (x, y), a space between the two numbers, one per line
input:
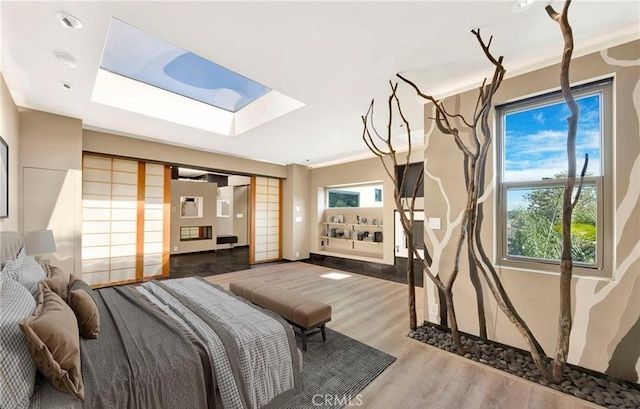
(352, 240)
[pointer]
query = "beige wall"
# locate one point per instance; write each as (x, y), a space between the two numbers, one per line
(201, 189)
(606, 312)
(9, 131)
(51, 182)
(241, 214)
(295, 217)
(99, 142)
(366, 170)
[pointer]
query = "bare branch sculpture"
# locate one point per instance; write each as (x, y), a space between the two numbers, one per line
(475, 164)
(388, 151)
(568, 201)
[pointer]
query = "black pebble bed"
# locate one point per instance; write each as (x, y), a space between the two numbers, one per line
(582, 383)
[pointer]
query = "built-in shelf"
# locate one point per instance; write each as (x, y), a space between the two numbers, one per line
(345, 237)
(191, 233)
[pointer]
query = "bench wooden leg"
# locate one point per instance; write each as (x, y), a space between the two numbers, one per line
(303, 335)
(324, 333)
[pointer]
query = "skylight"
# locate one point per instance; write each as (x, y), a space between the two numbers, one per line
(145, 74)
(140, 56)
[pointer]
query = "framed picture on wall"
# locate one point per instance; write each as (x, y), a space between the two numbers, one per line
(191, 207)
(4, 178)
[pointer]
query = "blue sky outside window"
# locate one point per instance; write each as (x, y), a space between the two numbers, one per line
(140, 56)
(536, 140)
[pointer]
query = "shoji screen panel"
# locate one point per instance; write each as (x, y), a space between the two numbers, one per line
(154, 221)
(110, 201)
(266, 243)
(124, 222)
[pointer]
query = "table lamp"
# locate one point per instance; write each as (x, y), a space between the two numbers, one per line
(39, 242)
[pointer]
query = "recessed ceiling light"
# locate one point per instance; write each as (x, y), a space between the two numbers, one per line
(68, 21)
(521, 5)
(66, 85)
(66, 60)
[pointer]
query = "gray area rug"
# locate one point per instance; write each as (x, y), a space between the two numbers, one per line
(334, 372)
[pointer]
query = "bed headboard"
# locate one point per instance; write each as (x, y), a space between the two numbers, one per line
(10, 245)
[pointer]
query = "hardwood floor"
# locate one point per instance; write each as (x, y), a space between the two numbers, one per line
(373, 311)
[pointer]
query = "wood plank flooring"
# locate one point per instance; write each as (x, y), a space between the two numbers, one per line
(374, 312)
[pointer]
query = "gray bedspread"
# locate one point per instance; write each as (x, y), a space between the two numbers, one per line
(182, 343)
(142, 359)
(254, 359)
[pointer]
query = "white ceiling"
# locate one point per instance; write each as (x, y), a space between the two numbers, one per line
(332, 56)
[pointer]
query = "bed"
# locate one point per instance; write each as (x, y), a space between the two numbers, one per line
(163, 344)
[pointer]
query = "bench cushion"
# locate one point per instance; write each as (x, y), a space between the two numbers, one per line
(296, 308)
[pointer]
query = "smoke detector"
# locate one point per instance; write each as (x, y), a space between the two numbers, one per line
(66, 60)
(68, 21)
(521, 5)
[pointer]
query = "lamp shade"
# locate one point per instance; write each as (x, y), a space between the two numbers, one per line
(39, 242)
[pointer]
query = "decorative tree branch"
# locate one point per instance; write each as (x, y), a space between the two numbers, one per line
(390, 167)
(566, 261)
(474, 167)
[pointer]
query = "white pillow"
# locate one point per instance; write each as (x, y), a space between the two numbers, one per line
(17, 368)
(26, 271)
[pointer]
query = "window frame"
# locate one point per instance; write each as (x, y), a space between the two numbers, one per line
(603, 184)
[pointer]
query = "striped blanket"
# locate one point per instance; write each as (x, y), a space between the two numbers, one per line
(253, 353)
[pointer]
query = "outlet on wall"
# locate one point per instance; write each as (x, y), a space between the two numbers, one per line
(434, 309)
(297, 254)
(175, 248)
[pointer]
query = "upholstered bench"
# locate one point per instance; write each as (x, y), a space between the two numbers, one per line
(304, 313)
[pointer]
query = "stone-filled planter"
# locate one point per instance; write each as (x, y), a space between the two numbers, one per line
(580, 382)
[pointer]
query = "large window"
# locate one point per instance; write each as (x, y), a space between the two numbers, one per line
(362, 195)
(533, 169)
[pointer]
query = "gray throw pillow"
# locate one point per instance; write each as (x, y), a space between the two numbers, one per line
(26, 271)
(17, 368)
(84, 307)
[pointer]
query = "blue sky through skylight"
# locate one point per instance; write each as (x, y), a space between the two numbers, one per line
(135, 54)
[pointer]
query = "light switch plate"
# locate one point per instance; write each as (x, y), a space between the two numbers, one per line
(434, 223)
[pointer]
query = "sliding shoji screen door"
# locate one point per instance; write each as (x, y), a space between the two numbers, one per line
(266, 244)
(125, 220)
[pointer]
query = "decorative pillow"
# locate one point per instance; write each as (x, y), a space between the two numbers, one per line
(52, 335)
(58, 281)
(86, 311)
(26, 271)
(17, 369)
(84, 306)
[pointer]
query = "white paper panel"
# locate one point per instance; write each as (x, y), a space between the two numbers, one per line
(152, 270)
(123, 250)
(125, 178)
(123, 274)
(96, 214)
(153, 258)
(95, 278)
(154, 169)
(96, 175)
(120, 202)
(89, 253)
(124, 190)
(96, 188)
(95, 265)
(156, 192)
(123, 238)
(96, 162)
(125, 165)
(123, 262)
(96, 227)
(89, 240)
